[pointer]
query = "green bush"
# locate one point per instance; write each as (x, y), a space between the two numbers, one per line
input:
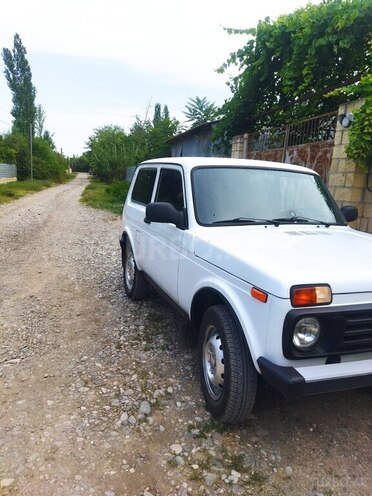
(47, 164)
(118, 190)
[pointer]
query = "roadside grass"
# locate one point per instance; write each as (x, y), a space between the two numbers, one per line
(106, 196)
(15, 190)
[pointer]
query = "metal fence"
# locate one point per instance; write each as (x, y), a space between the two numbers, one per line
(320, 128)
(7, 171)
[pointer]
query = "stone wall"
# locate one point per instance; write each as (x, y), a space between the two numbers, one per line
(347, 182)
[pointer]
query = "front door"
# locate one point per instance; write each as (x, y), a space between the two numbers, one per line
(162, 242)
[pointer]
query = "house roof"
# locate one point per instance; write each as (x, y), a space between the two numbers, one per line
(193, 131)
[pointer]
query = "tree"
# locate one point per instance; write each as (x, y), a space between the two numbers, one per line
(39, 120)
(151, 139)
(19, 79)
(166, 114)
(157, 114)
(107, 153)
(199, 111)
(289, 65)
(8, 152)
(160, 133)
(111, 150)
(49, 139)
(80, 164)
(47, 164)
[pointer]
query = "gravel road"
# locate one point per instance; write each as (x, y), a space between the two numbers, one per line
(98, 397)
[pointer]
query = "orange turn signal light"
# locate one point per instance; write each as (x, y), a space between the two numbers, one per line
(304, 296)
(259, 295)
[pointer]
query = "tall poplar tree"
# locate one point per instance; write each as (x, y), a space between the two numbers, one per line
(39, 120)
(19, 77)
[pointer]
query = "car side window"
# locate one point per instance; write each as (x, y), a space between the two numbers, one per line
(170, 188)
(142, 190)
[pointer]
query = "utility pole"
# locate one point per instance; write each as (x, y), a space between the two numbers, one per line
(31, 165)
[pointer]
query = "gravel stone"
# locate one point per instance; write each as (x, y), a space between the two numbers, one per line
(209, 478)
(124, 418)
(6, 483)
(288, 471)
(176, 448)
(145, 408)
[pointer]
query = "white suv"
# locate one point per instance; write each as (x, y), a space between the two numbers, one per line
(261, 261)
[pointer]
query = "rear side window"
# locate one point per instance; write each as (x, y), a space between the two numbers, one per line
(170, 188)
(142, 190)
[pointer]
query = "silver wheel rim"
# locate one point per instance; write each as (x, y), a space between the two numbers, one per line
(130, 271)
(213, 363)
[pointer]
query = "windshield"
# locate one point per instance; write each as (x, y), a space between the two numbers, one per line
(237, 195)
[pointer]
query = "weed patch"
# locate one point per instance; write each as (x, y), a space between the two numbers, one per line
(13, 191)
(104, 196)
(211, 425)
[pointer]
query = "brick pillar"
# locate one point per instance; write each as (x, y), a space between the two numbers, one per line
(237, 146)
(347, 182)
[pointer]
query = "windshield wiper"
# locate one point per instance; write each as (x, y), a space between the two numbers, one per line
(247, 220)
(297, 219)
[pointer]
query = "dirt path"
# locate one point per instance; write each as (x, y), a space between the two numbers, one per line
(97, 398)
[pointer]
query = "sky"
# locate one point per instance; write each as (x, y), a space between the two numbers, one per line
(96, 63)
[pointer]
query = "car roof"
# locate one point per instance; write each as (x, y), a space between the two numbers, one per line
(189, 163)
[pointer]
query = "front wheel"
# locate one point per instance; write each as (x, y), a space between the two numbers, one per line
(227, 374)
(135, 284)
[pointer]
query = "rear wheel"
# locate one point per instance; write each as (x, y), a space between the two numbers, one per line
(135, 284)
(228, 377)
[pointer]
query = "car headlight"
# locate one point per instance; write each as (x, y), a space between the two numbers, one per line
(306, 333)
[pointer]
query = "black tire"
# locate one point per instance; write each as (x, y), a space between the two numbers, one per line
(135, 284)
(227, 374)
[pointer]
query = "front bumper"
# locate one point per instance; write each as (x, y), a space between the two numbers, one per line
(296, 382)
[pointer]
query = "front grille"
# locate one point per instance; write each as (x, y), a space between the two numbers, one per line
(344, 331)
(357, 331)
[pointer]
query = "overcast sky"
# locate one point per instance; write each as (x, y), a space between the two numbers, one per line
(104, 62)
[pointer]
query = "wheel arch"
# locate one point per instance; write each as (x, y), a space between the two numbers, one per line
(203, 299)
(123, 243)
(124, 238)
(208, 296)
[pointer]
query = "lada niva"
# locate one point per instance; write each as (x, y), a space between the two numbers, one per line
(263, 265)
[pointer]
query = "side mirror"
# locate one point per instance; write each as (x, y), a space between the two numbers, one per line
(350, 213)
(165, 213)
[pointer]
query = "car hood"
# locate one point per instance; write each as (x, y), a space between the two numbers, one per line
(276, 258)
